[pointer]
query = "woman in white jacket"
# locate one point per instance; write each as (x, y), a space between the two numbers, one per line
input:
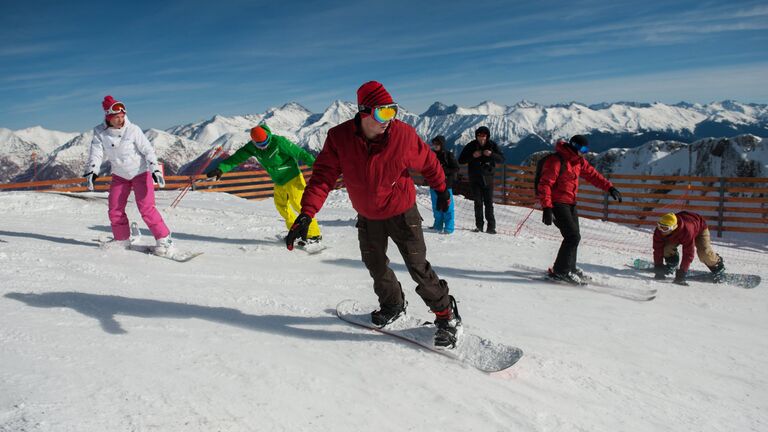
(134, 166)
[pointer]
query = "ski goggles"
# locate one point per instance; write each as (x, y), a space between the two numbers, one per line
(262, 145)
(116, 108)
(381, 113)
(666, 228)
(583, 149)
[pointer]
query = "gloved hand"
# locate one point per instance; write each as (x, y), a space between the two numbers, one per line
(546, 216)
(90, 177)
(680, 278)
(615, 194)
(298, 229)
(157, 176)
(214, 173)
(443, 200)
(660, 272)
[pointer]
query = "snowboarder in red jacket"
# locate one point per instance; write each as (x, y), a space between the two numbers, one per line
(689, 230)
(557, 189)
(374, 152)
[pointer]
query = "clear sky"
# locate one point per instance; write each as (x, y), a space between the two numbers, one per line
(175, 62)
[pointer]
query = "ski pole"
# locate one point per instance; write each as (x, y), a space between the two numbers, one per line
(214, 154)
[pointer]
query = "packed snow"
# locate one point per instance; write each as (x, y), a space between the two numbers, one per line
(244, 337)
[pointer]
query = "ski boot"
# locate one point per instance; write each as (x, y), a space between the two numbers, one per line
(448, 323)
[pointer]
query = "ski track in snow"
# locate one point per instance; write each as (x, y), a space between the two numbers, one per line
(244, 337)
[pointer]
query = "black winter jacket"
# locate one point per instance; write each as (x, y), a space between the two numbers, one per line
(481, 169)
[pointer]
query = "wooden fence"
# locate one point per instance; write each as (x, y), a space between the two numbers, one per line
(735, 204)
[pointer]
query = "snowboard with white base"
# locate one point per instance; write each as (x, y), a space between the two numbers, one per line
(475, 351)
(747, 281)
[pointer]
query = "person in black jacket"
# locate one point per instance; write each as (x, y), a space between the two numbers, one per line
(482, 155)
(444, 220)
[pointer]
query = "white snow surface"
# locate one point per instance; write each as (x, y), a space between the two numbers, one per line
(244, 337)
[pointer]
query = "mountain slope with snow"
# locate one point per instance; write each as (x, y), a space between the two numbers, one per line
(244, 336)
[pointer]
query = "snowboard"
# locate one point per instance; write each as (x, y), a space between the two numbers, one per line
(475, 351)
(747, 281)
(626, 292)
(178, 256)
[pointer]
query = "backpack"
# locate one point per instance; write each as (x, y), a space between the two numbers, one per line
(540, 165)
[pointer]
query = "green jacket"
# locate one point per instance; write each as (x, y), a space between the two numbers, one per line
(279, 159)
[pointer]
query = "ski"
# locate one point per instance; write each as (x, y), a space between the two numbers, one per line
(483, 354)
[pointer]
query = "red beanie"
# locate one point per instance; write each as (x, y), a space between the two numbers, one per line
(373, 94)
(106, 104)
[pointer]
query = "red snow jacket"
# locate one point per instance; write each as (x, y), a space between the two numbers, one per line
(563, 188)
(375, 172)
(689, 226)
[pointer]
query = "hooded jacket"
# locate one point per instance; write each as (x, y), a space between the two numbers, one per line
(689, 226)
(375, 171)
(563, 188)
(127, 148)
(481, 169)
(279, 159)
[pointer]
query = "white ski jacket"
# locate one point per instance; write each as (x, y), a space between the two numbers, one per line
(127, 148)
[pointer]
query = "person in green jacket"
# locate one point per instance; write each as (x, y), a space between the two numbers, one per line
(279, 157)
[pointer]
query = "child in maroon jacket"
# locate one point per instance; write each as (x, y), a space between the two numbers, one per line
(690, 230)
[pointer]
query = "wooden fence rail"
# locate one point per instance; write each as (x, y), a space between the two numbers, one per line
(737, 204)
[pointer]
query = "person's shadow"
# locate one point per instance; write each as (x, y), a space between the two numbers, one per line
(44, 237)
(105, 309)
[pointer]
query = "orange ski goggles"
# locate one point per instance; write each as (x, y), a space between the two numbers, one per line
(116, 108)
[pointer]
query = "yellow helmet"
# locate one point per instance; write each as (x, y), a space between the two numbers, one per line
(668, 222)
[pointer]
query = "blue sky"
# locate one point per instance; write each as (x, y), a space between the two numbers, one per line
(175, 62)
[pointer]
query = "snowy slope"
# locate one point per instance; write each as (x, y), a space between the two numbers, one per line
(243, 338)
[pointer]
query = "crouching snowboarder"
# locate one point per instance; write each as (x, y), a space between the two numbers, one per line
(689, 230)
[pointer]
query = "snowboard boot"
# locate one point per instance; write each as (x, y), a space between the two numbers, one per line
(387, 314)
(491, 230)
(568, 277)
(448, 323)
(671, 263)
(314, 240)
(165, 247)
(718, 270)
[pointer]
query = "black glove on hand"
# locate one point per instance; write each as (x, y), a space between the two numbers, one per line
(660, 272)
(298, 229)
(680, 278)
(443, 200)
(214, 173)
(615, 194)
(546, 216)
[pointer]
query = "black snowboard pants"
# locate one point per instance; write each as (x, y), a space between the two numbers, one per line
(406, 232)
(482, 193)
(567, 221)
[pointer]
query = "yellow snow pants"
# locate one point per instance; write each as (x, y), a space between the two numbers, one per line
(288, 198)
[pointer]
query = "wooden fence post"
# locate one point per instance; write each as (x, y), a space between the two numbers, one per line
(504, 183)
(721, 208)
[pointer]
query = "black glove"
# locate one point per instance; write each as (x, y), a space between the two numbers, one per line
(660, 272)
(546, 216)
(157, 176)
(214, 173)
(680, 278)
(615, 194)
(298, 229)
(90, 177)
(443, 200)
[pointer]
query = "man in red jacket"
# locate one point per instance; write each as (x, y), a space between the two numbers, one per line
(557, 189)
(690, 230)
(374, 152)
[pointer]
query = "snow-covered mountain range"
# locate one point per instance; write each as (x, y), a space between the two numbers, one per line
(521, 130)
